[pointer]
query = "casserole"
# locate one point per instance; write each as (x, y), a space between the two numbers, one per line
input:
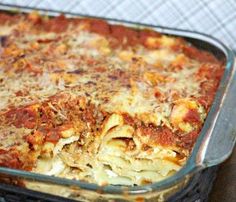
(195, 159)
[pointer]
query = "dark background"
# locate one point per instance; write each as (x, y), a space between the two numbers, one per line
(224, 188)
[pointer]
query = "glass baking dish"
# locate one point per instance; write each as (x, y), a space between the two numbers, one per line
(215, 142)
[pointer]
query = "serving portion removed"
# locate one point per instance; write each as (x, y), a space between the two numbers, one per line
(106, 104)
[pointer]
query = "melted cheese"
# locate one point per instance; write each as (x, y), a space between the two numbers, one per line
(155, 87)
(50, 166)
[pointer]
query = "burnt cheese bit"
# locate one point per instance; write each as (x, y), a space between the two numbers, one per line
(91, 83)
(3, 41)
(77, 71)
(113, 77)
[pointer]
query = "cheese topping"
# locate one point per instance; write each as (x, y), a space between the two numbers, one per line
(103, 103)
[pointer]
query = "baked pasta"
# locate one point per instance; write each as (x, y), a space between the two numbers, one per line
(107, 104)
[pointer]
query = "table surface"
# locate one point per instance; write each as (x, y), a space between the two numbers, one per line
(224, 188)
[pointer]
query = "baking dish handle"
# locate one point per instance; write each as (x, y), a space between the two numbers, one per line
(222, 139)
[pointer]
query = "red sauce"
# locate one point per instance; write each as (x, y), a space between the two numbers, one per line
(34, 18)
(187, 141)
(144, 34)
(124, 34)
(199, 55)
(36, 138)
(192, 116)
(118, 32)
(212, 73)
(128, 119)
(157, 94)
(33, 69)
(10, 158)
(206, 101)
(6, 18)
(45, 134)
(178, 45)
(52, 136)
(100, 69)
(88, 115)
(20, 93)
(45, 115)
(22, 117)
(164, 136)
(58, 24)
(160, 135)
(100, 27)
(205, 71)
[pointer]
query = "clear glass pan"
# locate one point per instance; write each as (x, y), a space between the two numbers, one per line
(214, 145)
